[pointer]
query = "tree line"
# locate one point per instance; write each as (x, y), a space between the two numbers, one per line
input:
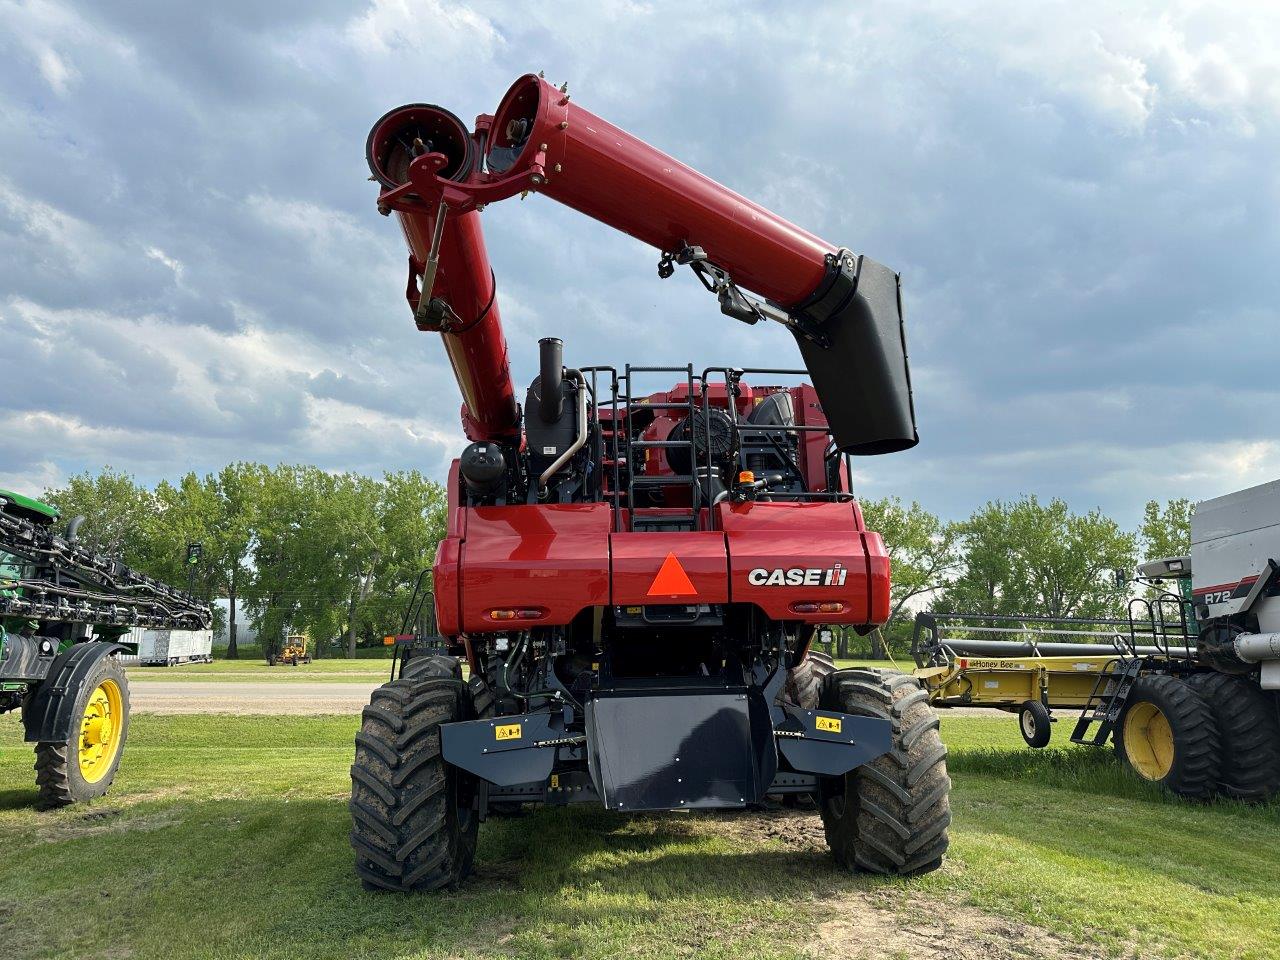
(1014, 557)
(334, 555)
(337, 554)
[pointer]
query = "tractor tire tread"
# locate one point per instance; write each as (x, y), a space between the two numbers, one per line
(890, 816)
(405, 830)
(1249, 728)
(804, 681)
(1197, 742)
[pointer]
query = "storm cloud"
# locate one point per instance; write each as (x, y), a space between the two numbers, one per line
(1082, 201)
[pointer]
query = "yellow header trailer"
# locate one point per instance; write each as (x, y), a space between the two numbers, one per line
(1007, 684)
(1032, 687)
(1034, 665)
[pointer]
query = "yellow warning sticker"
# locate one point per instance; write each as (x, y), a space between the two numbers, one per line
(829, 724)
(507, 731)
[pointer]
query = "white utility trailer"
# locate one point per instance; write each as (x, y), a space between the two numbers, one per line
(168, 648)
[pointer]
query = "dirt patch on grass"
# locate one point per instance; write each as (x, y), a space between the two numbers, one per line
(798, 829)
(889, 922)
(97, 821)
(919, 927)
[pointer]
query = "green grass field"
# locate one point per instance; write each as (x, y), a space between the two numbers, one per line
(227, 837)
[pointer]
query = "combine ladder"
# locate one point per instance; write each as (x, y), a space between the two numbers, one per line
(1107, 701)
(680, 518)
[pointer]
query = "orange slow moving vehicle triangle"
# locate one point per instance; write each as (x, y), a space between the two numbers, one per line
(671, 580)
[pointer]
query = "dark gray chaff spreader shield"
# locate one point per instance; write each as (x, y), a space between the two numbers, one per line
(671, 752)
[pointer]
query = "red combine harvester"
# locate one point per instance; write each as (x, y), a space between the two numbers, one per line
(634, 578)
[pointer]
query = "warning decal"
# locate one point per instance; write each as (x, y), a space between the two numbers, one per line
(671, 580)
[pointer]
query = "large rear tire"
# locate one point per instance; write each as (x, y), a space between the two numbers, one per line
(413, 821)
(1168, 735)
(891, 815)
(1249, 725)
(83, 768)
(430, 665)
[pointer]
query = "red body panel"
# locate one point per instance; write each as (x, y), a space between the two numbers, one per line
(444, 573)
(446, 566)
(820, 541)
(554, 559)
(878, 569)
(638, 557)
(558, 560)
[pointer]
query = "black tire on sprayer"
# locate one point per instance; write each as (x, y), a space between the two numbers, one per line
(413, 822)
(1249, 726)
(1168, 735)
(84, 767)
(889, 816)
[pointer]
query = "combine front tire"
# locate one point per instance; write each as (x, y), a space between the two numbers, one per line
(1249, 725)
(804, 682)
(413, 821)
(84, 767)
(1168, 735)
(889, 816)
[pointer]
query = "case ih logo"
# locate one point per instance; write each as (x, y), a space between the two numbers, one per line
(798, 577)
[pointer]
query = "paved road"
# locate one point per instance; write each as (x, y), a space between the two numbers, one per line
(226, 696)
(297, 697)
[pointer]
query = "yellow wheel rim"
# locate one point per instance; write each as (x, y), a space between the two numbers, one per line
(101, 730)
(1148, 741)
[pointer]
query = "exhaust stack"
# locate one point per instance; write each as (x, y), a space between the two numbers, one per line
(550, 379)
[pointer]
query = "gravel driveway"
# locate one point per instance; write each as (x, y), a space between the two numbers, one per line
(299, 697)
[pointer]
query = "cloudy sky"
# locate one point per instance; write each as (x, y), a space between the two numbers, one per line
(1082, 202)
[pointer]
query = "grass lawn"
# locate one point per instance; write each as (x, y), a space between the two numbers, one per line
(227, 837)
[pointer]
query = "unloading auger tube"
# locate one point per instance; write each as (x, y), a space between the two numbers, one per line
(844, 309)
